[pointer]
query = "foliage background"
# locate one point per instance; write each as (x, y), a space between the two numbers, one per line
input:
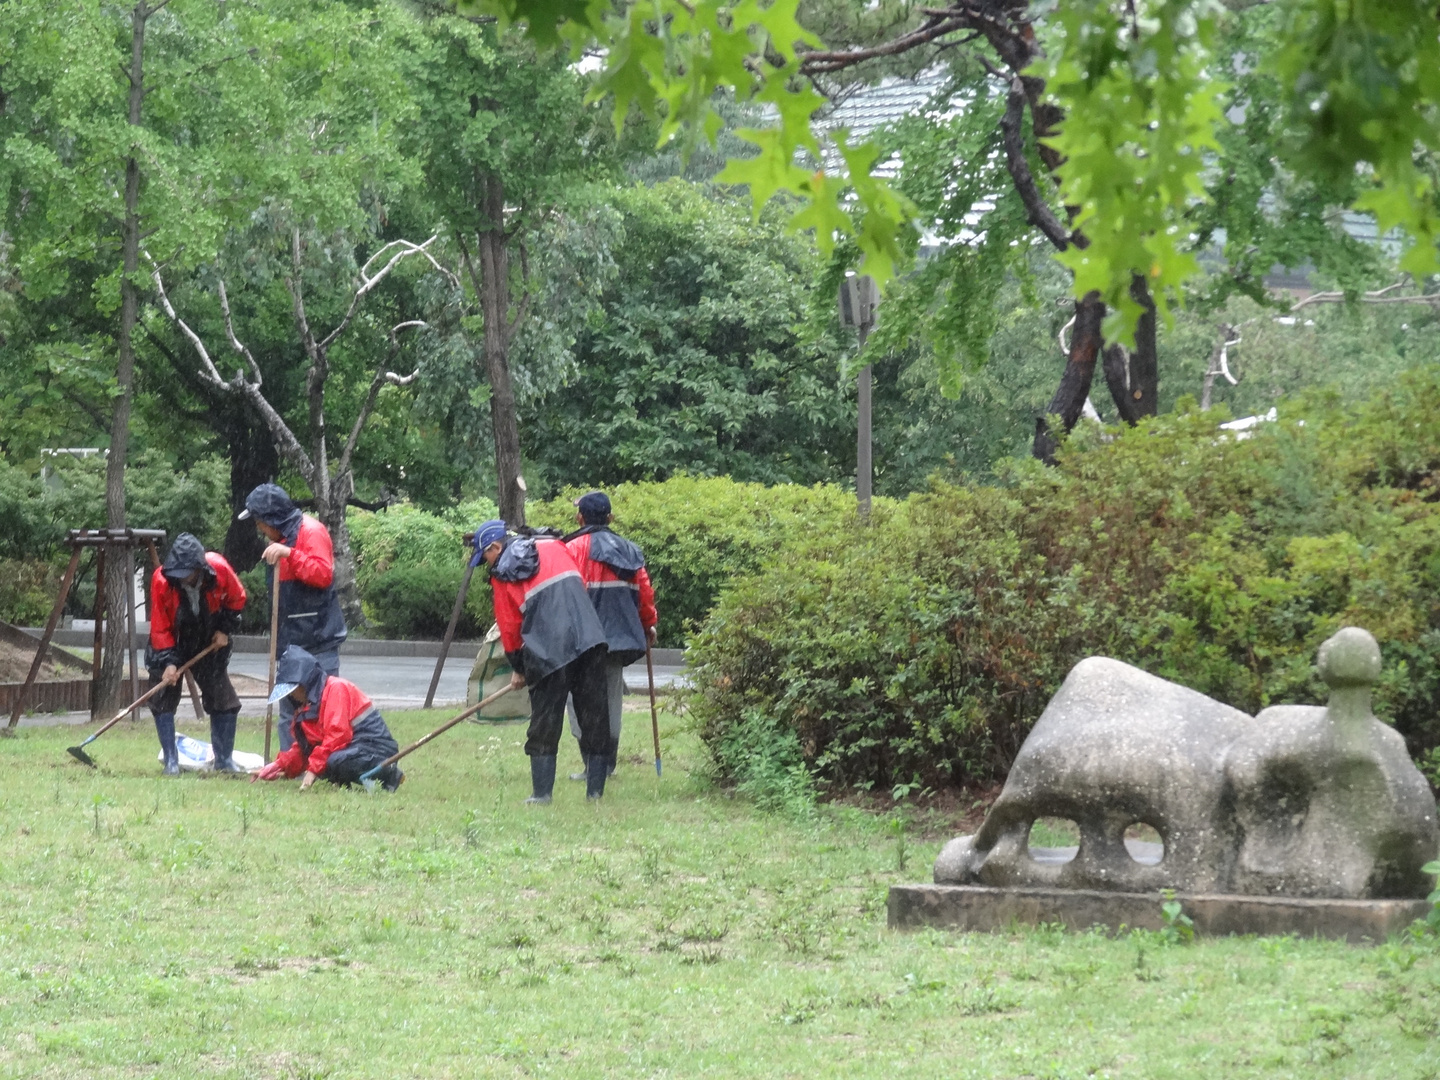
(918, 652)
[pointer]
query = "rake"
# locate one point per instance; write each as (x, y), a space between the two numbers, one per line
(368, 779)
(78, 752)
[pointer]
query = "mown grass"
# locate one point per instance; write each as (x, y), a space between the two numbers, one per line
(208, 927)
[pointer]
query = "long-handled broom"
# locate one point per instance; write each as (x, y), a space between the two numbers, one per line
(368, 779)
(78, 752)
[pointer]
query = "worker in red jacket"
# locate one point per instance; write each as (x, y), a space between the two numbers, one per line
(613, 570)
(195, 600)
(301, 551)
(555, 645)
(338, 735)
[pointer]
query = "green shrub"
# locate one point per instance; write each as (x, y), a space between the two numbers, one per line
(926, 645)
(416, 602)
(700, 533)
(408, 566)
(404, 535)
(27, 591)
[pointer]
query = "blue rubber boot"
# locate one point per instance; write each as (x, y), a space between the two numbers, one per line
(165, 731)
(542, 779)
(222, 741)
(599, 768)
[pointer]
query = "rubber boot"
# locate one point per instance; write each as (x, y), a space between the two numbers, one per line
(584, 769)
(222, 741)
(599, 766)
(542, 778)
(390, 777)
(165, 731)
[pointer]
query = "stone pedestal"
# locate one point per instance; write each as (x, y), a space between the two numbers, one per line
(977, 907)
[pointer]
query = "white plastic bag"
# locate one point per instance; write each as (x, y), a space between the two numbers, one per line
(197, 756)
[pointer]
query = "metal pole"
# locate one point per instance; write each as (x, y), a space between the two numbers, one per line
(130, 611)
(55, 611)
(450, 633)
(863, 468)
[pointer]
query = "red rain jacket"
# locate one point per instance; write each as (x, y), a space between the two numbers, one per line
(312, 556)
(618, 585)
(545, 617)
(329, 730)
(225, 598)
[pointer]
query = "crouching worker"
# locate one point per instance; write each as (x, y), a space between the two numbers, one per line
(336, 733)
(555, 645)
(195, 601)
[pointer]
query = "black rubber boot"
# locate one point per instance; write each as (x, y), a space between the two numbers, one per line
(584, 772)
(165, 731)
(222, 741)
(599, 767)
(390, 777)
(542, 778)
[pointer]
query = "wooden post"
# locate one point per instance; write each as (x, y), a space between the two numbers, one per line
(450, 632)
(45, 639)
(863, 469)
(99, 632)
(130, 614)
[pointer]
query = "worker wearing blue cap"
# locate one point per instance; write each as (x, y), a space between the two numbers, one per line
(555, 645)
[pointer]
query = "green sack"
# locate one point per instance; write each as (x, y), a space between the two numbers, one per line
(491, 672)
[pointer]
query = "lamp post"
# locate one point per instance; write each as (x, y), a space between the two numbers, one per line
(859, 300)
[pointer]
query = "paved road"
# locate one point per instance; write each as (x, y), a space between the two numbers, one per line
(393, 682)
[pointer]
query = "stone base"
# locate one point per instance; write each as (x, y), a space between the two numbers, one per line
(976, 907)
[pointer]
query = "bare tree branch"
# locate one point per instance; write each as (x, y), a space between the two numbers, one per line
(234, 341)
(1038, 210)
(1378, 296)
(208, 371)
(382, 377)
(367, 283)
(822, 62)
(285, 440)
(297, 297)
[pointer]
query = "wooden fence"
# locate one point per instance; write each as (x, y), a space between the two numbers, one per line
(72, 695)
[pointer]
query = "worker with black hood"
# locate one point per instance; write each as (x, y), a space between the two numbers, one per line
(195, 601)
(337, 733)
(614, 573)
(555, 645)
(301, 551)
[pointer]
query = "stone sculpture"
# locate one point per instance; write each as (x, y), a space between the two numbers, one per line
(1301, 800)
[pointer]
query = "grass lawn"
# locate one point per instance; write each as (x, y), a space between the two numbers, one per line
(208, 927)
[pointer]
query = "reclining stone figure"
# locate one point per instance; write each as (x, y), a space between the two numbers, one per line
(1301, 800)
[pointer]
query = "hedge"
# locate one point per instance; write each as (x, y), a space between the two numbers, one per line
(697, 532)
(700, 533)
(921, 650)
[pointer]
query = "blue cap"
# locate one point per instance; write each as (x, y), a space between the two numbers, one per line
(282, 689)
(594, 507)
(484, 536)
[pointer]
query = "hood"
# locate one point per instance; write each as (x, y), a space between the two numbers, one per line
(299, 667)
(621, 555)
(186, 555)
(518, 562)
(271, 504)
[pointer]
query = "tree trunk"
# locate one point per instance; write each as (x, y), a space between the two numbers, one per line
(1074, 388)
(1144, 365)
(494, 257)
(110, 691)
(253, 461)
(345, 585)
